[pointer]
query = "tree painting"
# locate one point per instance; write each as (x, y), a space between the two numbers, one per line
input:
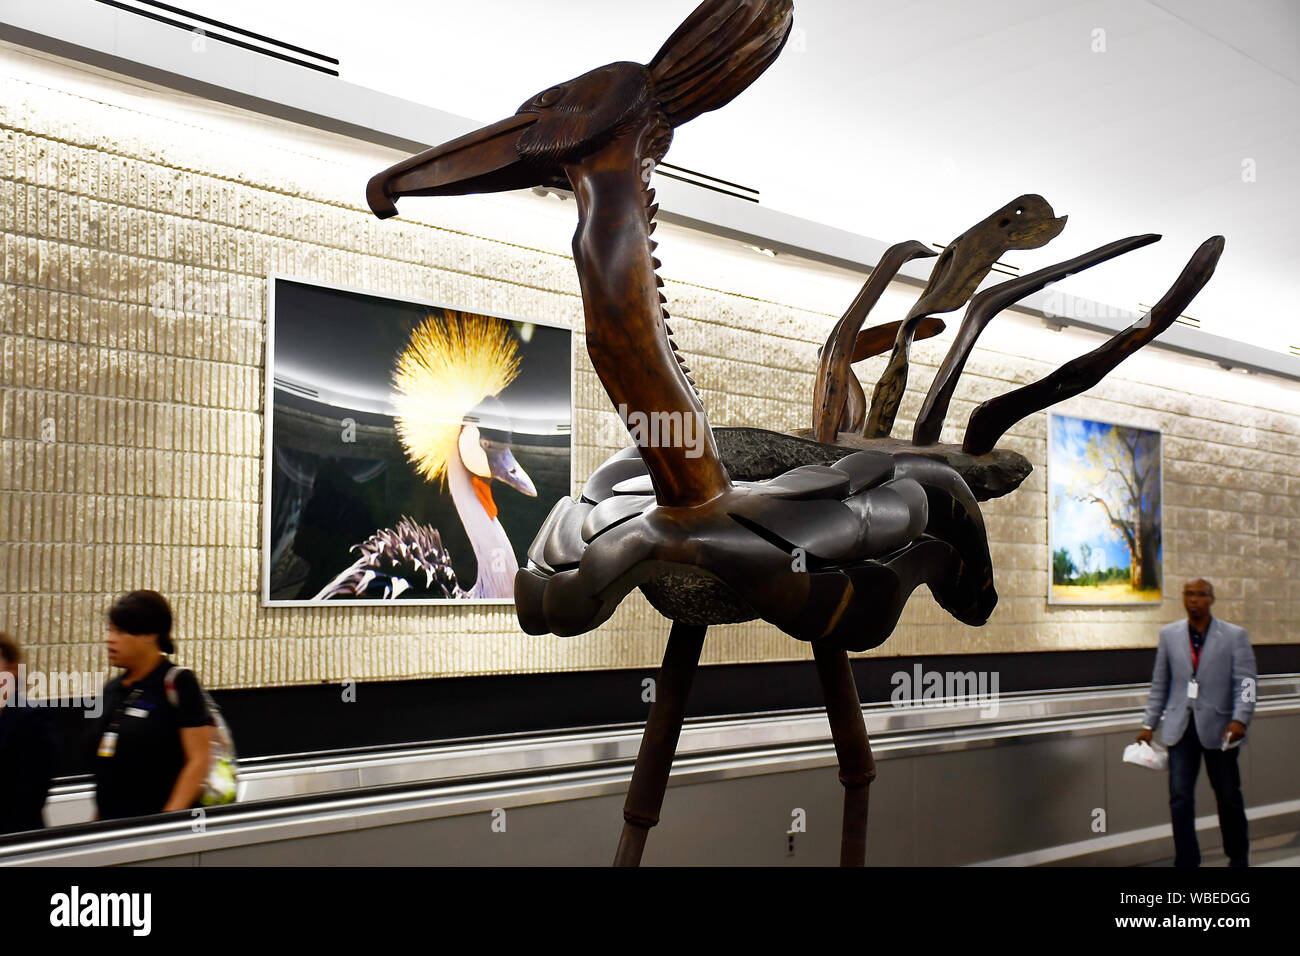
(1104, 532)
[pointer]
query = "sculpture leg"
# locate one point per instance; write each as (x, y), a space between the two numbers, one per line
(852, 748)
(645, 796)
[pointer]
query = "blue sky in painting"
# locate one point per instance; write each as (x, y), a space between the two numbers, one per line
(1075, 522)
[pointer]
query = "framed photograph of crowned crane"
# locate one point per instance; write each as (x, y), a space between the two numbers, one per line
(1104, 524)
(413, 449)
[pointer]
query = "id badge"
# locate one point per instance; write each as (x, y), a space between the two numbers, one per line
(1193, 689)
(108, 744)
(136, 712)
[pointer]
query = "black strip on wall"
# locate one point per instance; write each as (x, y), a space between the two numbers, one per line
(303, 719)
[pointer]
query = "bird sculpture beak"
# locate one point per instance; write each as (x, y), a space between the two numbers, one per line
(508, 471)
(480, 162)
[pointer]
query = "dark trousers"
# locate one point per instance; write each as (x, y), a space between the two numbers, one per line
(1225, 778)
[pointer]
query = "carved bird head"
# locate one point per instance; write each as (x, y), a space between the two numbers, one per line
(721, 48)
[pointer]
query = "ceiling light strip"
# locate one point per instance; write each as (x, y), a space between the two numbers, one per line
(241, 31)
(233, 41)
(748, 190)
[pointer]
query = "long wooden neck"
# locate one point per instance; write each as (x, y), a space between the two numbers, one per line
(627, 337)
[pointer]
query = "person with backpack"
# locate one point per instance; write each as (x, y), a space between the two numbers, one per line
(155, 736)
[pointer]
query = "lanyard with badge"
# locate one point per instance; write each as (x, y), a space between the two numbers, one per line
(108, 742)
(1194, 688)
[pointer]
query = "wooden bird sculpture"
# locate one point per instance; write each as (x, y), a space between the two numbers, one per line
(824, 534)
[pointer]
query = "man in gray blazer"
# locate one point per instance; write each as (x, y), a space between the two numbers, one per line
(1204, 683)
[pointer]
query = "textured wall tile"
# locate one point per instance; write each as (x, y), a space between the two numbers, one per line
(136, 249)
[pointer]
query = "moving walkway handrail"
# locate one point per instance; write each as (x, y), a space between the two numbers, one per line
(597, 760)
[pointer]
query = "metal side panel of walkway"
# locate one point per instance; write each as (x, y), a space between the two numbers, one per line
(1037, 779)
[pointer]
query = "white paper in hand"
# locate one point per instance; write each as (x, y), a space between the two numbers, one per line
(1144, 755)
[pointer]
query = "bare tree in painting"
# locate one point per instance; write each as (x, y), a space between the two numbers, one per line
(1121, 474)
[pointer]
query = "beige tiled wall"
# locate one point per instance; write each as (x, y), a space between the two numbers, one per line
(138, 230)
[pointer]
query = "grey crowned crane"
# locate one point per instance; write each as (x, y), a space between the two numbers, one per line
(452, 365)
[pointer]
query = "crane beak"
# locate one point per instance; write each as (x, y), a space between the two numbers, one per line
(480, 162)
(505, 469)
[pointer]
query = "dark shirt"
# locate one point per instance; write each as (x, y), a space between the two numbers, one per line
(140, 776)
(1198, 642)
(28, 751)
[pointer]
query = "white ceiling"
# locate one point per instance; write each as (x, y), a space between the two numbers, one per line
(916, 119)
